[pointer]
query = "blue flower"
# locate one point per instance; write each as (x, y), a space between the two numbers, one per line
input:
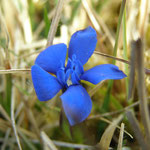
(76, 102)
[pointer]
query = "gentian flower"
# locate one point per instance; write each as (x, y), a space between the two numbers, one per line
(76, 102)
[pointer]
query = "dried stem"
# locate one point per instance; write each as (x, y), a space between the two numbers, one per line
(32, 120)
(147, 71)
(143, 16)
(48, 141)
(13, 118)
(58, 143)
(109, 122)
(114, 112)
(132, 73)
(14, 71)
(5, 142)
(112, 57)
(97, 22)
(137, 52)
(121, 137)
(141, 87)
(108, 134)
(91, 16)
(55, 22)
(94, 90)
(136, 128)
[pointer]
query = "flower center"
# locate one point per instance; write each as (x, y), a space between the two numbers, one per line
(70, 75)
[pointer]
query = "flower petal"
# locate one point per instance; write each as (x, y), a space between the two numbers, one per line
(46, 86)
(52, 58)
(102, 72)
(77, 104)
(83, 44)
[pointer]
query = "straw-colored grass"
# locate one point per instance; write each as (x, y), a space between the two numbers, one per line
(27, 27)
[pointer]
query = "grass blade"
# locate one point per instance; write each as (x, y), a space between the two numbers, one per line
(108, 134)
(136, 128)
(110, 83)
(141, 87)
(121, 137)
(125, 47)
(54, 23)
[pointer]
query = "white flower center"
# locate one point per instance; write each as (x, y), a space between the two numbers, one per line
(69, 82)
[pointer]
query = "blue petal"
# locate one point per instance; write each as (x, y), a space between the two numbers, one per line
(102, 72)
(61, 76)
(74, 78)
(46, 86)
(77, 104)
(52, 58)
(83, 44)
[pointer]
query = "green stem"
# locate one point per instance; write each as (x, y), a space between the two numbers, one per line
(125, 47)
(110, 84)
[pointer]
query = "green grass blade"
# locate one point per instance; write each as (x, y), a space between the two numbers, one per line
(47, 22)
(125, 48)
(118, 29)
(7, 99)
(107, 96)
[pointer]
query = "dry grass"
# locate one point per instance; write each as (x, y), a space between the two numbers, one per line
(27, 27)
